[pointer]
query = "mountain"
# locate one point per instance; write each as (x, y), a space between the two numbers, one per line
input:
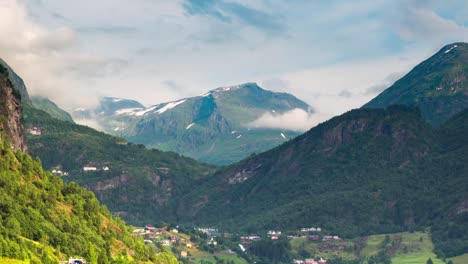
(42, 219)
(17, 83)
(136, 183)
(364, 172)
(11, 126)
(217, 127)
(51, 108)
(438, 86)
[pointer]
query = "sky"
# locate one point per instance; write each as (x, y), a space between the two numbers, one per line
(334, 55)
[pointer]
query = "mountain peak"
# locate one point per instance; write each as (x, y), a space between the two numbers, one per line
(438, 85)
(236, 87)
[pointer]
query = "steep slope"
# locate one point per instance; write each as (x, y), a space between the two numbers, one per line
(139, 185)
(10, 112)
(367, 171)
(216, 127)
(439, 85)
(43, 220)
(17, 83)
(51, 108)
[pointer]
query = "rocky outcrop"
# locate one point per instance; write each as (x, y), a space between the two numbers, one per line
(11, 125)
(17, 83)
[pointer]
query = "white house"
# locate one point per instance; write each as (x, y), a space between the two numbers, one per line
(86, 168)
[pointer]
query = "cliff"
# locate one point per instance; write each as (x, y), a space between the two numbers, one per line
(11, 126)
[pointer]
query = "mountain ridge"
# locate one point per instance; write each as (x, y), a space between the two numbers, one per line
(215, 127)
(438, 85)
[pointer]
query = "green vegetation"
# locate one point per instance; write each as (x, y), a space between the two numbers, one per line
(233, 259)
(398, 248)
(211, 128)
(365, 172)
(459, 259)
(45, 220)
(151, 178)
(436, 86)
(16, 81)
(51, 108)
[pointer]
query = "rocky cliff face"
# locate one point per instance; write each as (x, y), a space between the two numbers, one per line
(11, 124)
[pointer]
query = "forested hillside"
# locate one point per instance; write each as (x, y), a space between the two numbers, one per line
(42, 219)
(366, 172)
(438, 85)
(140, 185)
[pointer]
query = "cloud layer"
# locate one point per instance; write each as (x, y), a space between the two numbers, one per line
(295, 120)
(334, 54)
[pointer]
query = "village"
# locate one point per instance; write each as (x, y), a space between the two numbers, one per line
(201, 242)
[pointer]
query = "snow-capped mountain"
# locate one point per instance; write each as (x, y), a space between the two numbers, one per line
(216, 127)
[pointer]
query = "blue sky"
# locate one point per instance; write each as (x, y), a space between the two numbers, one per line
(335, 55)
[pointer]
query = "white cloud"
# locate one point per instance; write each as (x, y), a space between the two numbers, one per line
(296, 120)
(336, 89)
(421, 23)
(329, 53)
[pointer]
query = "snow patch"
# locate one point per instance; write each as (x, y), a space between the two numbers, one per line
(127, 111)
(117, 129)
(170, 106)
(189, 126)
(283, 135)
(233, 132)
(140, 113)
(116, 100)
(447, 51)
(239, 136)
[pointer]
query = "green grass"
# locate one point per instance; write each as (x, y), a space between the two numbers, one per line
(327, 250)
(463, 259)
(235, 258)
(405, 248)
(372, 245)
(416, 248)
(13, 261)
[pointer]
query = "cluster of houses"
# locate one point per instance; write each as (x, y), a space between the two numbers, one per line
(310, 261)
(164, 236)
(274, 235)
(59, 172)
(209, 231)
(35, 131)
(311, 229)
(94, 168)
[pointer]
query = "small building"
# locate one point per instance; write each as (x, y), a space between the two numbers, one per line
(242, 247)
(175, 231)
(313, 238)
(184, 254)
(76, 261)
(35, 131)
(150, 228)
(89, 168)
(189, 245)
(166, 242)
(212, 242)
